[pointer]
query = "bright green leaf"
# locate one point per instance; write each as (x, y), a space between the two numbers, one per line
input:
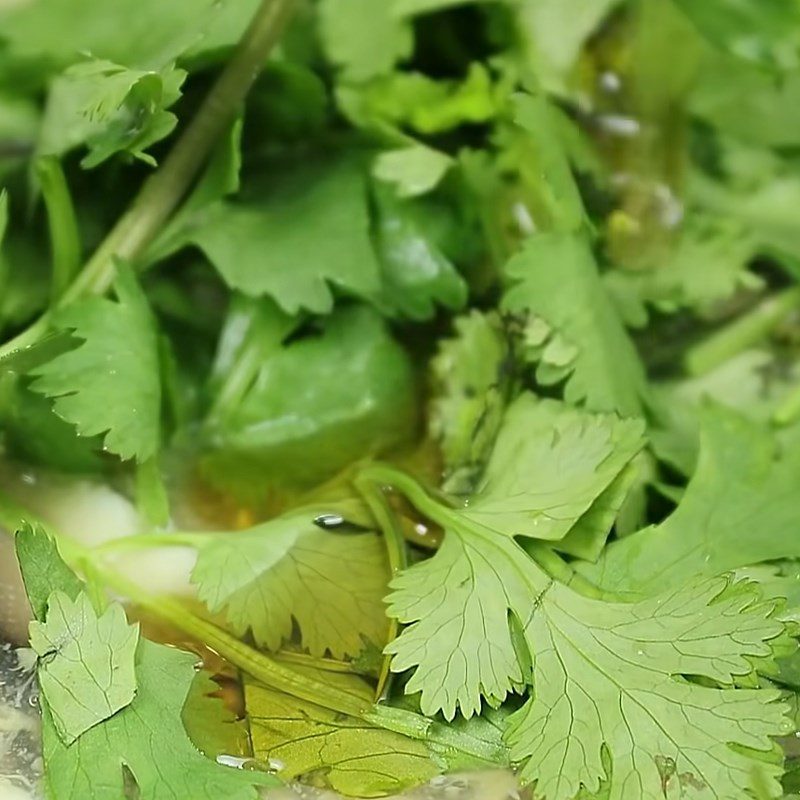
(416, 275)
(86, 663)
(735, 513)
(146, 739)
(549, 465)
(308, 231)
(110, 109)
(554, 33)
(153, 35)
(413, 170)
(426, 105)
(587, 537)
(764, 31)
(317, 404)
(742, 101)
(211, 724)
(43, 569)
(705, 267)
(755, 383)
(110, 384)
(605, 677)
(545, 163)
(289, 570)
(609, 675)
(570, 327)
(410, 8)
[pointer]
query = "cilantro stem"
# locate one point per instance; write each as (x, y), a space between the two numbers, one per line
(383, 475)
(142, 541)
(548, 561)
(283, 679)
(744, 332)
(260, 666)
(161, 194)
(307, 660)
(438, 734)
(398, 561)
(65, 240)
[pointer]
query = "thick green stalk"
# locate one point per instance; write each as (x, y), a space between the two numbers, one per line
(65, 240)
(162, 193)
(274, 675)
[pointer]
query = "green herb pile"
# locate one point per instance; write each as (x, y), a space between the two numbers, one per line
(478, 324)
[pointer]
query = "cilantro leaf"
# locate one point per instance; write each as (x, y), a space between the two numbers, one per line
(289, 570)
(340, 753)
(471, 385)
(755, 383)
(415, 274)
(610, 675)
(34, 432)
(541, 148)
(86, 663)
(735, 513)
(458, 640)
(423, 104)
(549, 464)
(484, 619)
(378, 41)
(308, 230)
(587, 537)
(410, 8)
(213, 727)
(146, 739)
(110, 383)
(673, 282)
(571, 329)
(43, 570)
(413, 170)
(749, 105)
(111, 108)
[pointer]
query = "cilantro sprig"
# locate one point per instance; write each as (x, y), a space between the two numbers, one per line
(460, 336)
